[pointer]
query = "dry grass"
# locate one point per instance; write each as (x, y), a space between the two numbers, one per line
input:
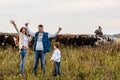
(101, 63)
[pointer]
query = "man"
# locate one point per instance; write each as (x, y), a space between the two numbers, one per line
(41, 45)
(98, 32)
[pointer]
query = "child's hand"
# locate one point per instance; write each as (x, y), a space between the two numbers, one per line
(51, 60)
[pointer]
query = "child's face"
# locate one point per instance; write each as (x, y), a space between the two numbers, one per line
(54, 47)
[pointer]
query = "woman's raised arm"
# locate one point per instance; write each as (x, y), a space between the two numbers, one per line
(14, 24)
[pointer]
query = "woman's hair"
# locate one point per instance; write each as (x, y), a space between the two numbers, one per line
(57, 45)
(22, 29)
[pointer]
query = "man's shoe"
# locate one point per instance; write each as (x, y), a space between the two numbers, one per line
(20, 74)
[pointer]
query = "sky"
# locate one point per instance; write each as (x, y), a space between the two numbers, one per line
(73, 16)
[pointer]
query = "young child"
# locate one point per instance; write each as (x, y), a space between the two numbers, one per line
(56, 59)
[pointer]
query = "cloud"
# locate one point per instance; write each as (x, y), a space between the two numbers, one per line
(14, 2)
(84, 5)
(80, 14)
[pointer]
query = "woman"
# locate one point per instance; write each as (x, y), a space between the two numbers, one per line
(23, 45)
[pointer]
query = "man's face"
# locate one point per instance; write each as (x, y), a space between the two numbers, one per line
(40, 29)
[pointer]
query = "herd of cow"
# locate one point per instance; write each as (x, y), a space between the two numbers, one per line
(83, 40)
(76, 40)
(65, 39)
(8, 40)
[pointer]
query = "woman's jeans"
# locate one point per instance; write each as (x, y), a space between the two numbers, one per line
(23, 55)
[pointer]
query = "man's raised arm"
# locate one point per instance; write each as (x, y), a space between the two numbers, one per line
(28, 30)
(55, 34)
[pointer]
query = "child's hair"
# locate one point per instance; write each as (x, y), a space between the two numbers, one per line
(57, 45)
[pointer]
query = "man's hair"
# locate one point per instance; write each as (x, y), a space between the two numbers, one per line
(57, 45)
(40, 25)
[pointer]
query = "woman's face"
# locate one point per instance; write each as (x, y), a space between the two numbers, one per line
(23, 30)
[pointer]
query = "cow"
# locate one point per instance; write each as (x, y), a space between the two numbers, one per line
(8, 40)
(31, 42)
(104, 40)
(2, 39)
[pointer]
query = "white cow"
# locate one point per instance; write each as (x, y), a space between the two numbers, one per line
(104, 40)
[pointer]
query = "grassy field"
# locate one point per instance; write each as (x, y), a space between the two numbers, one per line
(101, 63)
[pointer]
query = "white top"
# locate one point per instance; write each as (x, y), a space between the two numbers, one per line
(23, 39)
(39, 45)
(56, 55)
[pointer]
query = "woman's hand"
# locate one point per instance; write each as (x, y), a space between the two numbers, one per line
(13, 22)
(24, 47)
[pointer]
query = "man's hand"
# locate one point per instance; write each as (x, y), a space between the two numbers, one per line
(60, 28)
(26, 24)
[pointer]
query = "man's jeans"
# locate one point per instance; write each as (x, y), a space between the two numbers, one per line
(37, 55)
(23, 54)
